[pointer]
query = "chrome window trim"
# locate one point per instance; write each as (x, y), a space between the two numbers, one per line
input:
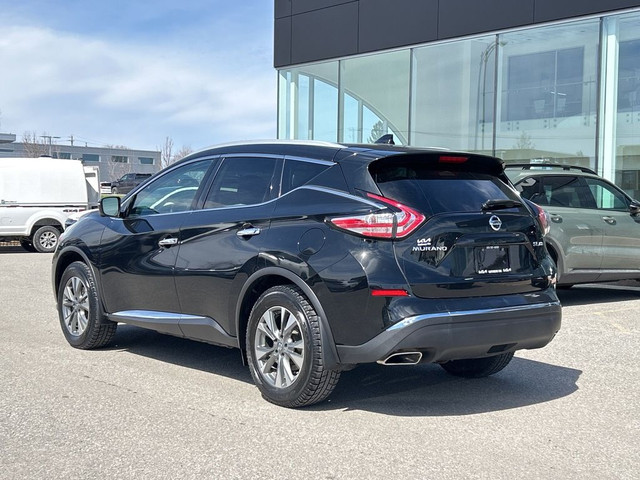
(328, 163)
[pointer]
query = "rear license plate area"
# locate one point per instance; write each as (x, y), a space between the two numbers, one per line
(492, 259)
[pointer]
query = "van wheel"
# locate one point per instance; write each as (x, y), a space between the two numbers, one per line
(27, 245)
(477, 367)
(79, 309)
(284, 349)
(46, 238)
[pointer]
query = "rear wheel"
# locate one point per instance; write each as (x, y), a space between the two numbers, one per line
(284, 349)
(46, 238)
(477, 367)
(79, 309)
(27, 245)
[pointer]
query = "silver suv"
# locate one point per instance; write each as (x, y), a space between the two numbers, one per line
(595, 226)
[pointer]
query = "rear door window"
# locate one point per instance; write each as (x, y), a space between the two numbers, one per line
(243, 181)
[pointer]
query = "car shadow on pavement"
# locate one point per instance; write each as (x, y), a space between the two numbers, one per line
(427, 390)
(599, 293)
(12, 249)
(422, 390)
(180, 351)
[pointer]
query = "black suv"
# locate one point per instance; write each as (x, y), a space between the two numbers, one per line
(315, 257)
(128, 182)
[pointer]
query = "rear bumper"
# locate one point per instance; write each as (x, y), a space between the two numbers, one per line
(445, 336)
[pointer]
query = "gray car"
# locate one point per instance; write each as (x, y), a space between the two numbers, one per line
(594, 225)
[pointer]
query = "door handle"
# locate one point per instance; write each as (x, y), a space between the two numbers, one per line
(555, 218)
(248, 232)
(168, 242)
(609, 220)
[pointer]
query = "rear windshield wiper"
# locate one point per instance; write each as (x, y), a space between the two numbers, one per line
(500, 204)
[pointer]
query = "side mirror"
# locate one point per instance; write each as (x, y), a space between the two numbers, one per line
(634, 208)
(110, 207)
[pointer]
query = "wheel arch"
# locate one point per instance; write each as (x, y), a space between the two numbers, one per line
(41, 219)
(66, 258)
(269, 277)
(557, 255)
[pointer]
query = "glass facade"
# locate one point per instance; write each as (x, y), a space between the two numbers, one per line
(567, 92)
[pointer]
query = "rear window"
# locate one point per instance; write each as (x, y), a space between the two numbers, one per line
(437, 191)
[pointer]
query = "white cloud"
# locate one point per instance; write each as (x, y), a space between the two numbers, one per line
(129, 94)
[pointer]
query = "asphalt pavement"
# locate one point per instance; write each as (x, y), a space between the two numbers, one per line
(151, 406)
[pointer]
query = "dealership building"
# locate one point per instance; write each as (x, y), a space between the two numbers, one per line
(526, 80)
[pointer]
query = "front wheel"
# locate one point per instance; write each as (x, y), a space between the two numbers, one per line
(284, 349)
(114, 190)
(79, 309)
(477, 367)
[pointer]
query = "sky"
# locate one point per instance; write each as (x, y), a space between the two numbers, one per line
(133, 72)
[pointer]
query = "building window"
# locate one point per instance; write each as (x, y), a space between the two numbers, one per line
(303, 89)
(548, 99)
(146, 160)
(375, 97)
(545, 84)
(90, 157)
(625, 145)
(452, 95)
(119, 159)
(62, 155)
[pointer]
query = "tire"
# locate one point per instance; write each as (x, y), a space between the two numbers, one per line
(80, 311)
(286, 361)
(27, 245)
(114, 190)
(46, 239)
(477, 367)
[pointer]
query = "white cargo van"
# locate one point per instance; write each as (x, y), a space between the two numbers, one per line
(38, 194)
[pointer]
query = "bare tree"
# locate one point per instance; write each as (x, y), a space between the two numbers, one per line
(118, 168)
(378, 130)
(166, 153)
(183, 152)
(34, 145)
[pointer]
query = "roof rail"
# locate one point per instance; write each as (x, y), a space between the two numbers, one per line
(530, 166)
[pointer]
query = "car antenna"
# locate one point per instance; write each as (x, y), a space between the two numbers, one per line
(386, 139)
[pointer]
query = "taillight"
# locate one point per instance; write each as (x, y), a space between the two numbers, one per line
(543, 218)
(382, 225)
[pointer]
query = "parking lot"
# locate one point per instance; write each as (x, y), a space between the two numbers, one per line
(154, 406)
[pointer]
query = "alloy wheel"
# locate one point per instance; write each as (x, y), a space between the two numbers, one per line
(279, 347)
(75, 306)
(48, 240)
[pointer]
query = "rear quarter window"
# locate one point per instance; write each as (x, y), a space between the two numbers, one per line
(299, 172)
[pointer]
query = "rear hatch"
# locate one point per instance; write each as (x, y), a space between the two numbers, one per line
(477, 239)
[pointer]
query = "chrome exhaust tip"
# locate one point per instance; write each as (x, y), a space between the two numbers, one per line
(402, 358)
